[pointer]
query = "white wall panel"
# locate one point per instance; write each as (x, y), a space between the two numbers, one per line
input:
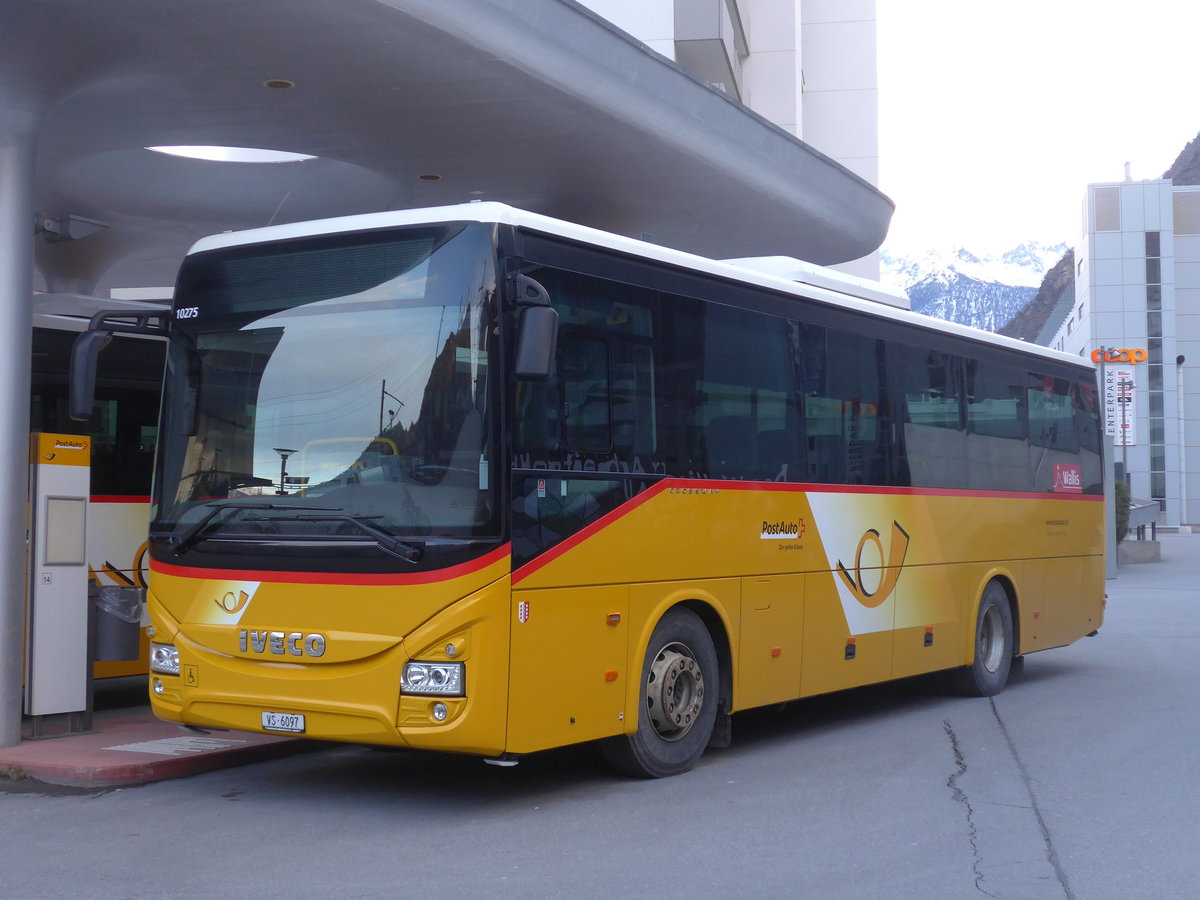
(770, 25)
(1107, 245)
(1133, 214)
(839, 57)
(1106, 271)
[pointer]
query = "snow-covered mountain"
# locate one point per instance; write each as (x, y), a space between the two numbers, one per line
(984, 291)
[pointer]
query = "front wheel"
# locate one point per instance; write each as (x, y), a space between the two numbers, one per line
(988, 672)
(678, 701)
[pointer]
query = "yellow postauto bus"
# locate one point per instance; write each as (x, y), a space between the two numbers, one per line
(476, 480)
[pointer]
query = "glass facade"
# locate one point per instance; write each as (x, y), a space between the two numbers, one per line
(1154, 374)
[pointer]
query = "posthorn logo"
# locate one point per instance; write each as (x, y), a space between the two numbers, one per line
(856, 583)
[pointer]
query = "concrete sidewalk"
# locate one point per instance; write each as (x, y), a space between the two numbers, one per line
(129, 746)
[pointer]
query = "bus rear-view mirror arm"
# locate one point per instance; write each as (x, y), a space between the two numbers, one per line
(86, 352)
(537, 330)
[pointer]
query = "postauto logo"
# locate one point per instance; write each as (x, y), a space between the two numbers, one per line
(1112, 355)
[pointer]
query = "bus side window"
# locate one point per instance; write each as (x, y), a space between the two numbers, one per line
(930, 433)
(843, 406)
(1052, 436)
(997, 428)
(745, 412)
(584, 375)
(1087, 433)
(538, 420)
(600, 397)
(125, 422)
(1051, 415)
(633, 408)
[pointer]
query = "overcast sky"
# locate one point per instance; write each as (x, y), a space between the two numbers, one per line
(994, 116)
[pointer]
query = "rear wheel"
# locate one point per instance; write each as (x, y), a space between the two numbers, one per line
(988, 672)
(678, 702)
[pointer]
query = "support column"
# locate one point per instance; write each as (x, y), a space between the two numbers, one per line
(17, 148)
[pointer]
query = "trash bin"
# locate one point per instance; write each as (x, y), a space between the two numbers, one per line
(118, 623)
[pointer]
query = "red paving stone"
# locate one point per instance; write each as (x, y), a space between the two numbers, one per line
(130, 747)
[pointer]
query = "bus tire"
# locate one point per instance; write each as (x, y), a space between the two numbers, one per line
(680, 686)
(989, 669)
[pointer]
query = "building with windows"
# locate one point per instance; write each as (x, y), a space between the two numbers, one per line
(1136, 312)
(808, 66)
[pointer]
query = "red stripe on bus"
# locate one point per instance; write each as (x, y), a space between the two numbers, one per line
(356, 578)
(800, 487)
(603, 522)
(118, 498)
(633, 503)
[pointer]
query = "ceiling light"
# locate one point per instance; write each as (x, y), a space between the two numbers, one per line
(232, 154)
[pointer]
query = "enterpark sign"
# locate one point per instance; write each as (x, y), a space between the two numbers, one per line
(1120, 410)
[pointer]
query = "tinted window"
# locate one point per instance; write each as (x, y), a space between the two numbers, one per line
(662, 383)
(843, 402)
(746, 412)
(1051, 415)
(584, 369)
(997, 446)
(1087, 433)
(124, 424)
(600, 401)
(927, 386)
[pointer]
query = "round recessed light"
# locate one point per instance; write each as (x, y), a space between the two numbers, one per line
(430, 177)
(279, 84)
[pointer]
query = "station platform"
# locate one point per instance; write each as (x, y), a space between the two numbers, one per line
(128, 746)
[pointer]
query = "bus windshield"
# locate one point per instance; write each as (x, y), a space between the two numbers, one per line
(330, 390)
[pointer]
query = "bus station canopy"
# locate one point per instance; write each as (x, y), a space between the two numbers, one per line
(400, 103)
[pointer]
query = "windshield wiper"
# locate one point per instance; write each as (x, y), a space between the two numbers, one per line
(389, 544)
(195, 532)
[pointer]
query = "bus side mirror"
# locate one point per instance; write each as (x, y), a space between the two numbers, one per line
(536, 344)
(537, 331)
(82, 381)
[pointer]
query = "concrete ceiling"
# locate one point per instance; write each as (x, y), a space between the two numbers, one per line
(536, 103)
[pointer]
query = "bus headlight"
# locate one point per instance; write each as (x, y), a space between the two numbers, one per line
(438, 679)
(164, 659)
